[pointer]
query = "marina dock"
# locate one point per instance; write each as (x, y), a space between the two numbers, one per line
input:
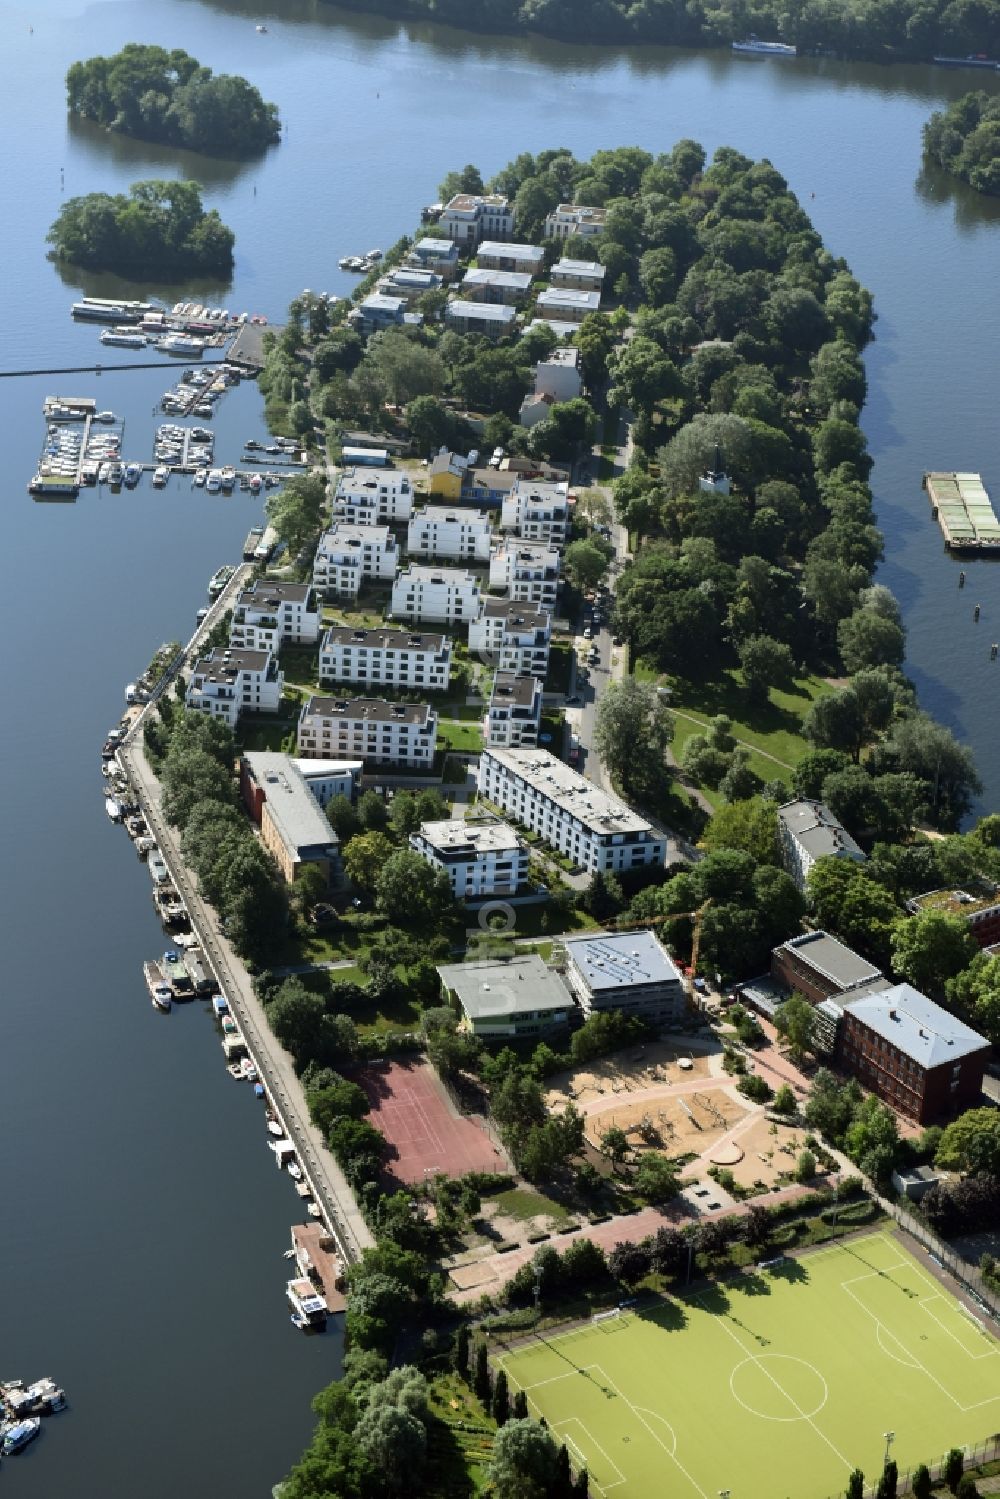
(963, 510)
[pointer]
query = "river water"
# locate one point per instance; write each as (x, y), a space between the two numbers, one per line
(141, 1219)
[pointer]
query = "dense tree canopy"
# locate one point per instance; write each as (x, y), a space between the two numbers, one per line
(965, 140)
(160, 230)
(158, 95)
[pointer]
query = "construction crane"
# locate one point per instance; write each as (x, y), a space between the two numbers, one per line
(627, 923)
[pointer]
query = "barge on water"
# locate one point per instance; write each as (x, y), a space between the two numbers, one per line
(963, 510)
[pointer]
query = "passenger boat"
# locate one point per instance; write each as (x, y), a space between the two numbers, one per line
(157, 867)
(219, 579)
(753, 48)
(227, 477)
(254, 537)
(181, 343)
(115, 474)
(111, 310)
(308, 1307)
(159, 989)
(62, 486)
(213, 482)
(160, 475)
(123, 339)
(973, 60)
(113, 807)
(17, 1437)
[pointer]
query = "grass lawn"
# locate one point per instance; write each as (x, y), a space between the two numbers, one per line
(460, 735)
(775, 728)
(521, 1203)
(780, 1382)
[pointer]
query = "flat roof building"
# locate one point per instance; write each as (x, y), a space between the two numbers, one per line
(514, 715)
(499, 256)
(820, 967)
(482, 284)
(582, 275)
(566, 304)
(520, 997)
(292, 826)
(575, 219)
(492, 319)
(627, 971)
(369, 729)
(481, 859)
(978, 907)
(568, 812)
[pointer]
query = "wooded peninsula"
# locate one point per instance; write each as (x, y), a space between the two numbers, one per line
(858, 28)
(156, 95)
(965, 140)
(160, 231)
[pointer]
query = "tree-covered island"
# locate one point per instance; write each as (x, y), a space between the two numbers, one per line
(170, 97)
(159, 231)
(964, 139)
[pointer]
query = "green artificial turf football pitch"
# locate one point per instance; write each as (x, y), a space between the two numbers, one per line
(779, 1383)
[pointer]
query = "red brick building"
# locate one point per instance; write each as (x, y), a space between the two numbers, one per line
(917, 1058)
(978, 907)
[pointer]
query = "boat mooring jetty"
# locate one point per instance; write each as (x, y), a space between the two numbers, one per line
(963, 510)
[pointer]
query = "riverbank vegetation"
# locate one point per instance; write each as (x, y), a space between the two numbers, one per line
(857, 29)
(964, 139)
(160, 231)
(156, 95)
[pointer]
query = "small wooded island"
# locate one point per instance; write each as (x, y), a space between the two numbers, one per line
(965, 140)
(170, 97)
(160, 231)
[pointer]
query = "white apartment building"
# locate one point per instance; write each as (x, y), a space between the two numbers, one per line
(529, 570)
(556, 379)
(348, 554)
(449, 532)
(270, 614)
(481, 859)
(572, 218)
(511, 257)
(807, 831)
(369, 729)
(373, 496)
(517, 637)
(536, 511)
(514, 715)
(385, 658)
(570, 813)
(469, 218)
(439, 595)
(626, 971)
(229, 682)
(327, 779)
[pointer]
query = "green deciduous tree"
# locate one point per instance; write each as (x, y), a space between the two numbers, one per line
(632, 732)
(931, 948)
(523, 1464)
(365, 857)
(971, 1143)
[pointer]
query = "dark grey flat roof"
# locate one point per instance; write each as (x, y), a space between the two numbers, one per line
(517, 987)
(829, 957)
(374, 709)
(508, 687)
(383, 640)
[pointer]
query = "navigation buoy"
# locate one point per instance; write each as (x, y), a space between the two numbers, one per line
(961, 580)
(994, 648)
(975, 613)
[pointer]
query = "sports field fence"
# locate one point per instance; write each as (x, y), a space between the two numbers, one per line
(968, 1276)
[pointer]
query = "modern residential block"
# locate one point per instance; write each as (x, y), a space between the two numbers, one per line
(565, 305)
(481, 859)
(373, 496)
(529, 571)
(229, 682)
(511, 257)
(492, 319)
(481, 284)
(349, 555)
(270, 614)
(569, 813)
(442, 531)
(470, 218)
(403, 735)
(385, 658)
(514, 715)
(516, 637)
(578, 275)
(557, 379)
(437, 595)
(536, 511)
(438, 255)
(575, 219)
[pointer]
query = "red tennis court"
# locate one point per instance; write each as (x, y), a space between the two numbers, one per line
(425, 1131)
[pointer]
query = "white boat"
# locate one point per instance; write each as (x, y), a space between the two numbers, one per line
(213, 483)
(275, 1129)
(181, 343)
(18, 1436)
(753, 48)
(113, 807)
(122, 339)
(115, 474)
(157, 867)
(104, 416)
(159, 989)
(227, 477)
(160, 475)
(235, 1070)
(200, 475)
(295, 1171)
(314, 1210)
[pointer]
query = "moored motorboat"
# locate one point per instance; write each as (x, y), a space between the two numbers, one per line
(17, 1437)
(113, 807)
(159, 989)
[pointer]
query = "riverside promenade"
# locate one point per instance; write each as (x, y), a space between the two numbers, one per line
(324, 1176)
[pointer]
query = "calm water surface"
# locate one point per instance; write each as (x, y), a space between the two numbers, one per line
(142, 1220)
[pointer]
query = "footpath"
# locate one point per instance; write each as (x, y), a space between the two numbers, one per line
(320, 1169)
